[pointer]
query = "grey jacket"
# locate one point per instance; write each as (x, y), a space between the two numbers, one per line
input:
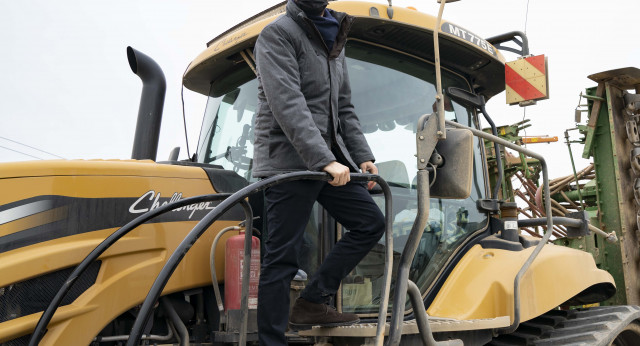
(304, 99)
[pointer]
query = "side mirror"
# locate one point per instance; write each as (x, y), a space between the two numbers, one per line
(453, 178)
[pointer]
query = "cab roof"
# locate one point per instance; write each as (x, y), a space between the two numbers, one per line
(409, 31)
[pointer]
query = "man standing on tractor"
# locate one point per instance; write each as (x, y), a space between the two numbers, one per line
(306, 121)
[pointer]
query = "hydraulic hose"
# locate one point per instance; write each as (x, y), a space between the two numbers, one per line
(173, 261)
(44, 320)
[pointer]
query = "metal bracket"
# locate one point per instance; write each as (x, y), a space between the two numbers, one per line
(583, 229)
(491, 206)
(425, 139)
(593, 119)
(517, 37)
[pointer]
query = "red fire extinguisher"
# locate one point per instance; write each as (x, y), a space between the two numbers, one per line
(234, 258)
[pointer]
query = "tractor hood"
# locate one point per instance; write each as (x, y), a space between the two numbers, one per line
(146, 168)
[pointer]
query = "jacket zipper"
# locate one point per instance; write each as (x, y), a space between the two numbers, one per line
(334, 131)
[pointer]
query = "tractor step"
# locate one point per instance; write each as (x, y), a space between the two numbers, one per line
(410, 327)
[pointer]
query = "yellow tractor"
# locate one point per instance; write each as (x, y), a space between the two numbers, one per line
(107, 252)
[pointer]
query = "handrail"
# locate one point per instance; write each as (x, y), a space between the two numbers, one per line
(547, 204)
(175, 258)
(409, 251)
(496, 41)
(44, 320)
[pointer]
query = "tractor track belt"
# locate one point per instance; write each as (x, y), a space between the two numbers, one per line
(590, 326)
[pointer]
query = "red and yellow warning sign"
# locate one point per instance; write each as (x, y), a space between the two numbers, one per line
(526, 79)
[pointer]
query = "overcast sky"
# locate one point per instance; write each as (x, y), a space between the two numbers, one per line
(66, 87)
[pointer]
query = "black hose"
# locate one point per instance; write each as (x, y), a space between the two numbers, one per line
(173, 261)
(44, 320)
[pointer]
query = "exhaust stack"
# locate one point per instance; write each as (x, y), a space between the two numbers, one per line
(154, 86)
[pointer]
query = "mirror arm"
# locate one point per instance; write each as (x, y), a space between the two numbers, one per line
(441, 133)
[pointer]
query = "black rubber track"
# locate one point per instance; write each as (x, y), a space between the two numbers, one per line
(591, 326)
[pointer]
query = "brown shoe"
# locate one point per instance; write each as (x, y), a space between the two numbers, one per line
(306, 314)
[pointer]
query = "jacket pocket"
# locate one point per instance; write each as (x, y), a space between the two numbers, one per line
(282, 154)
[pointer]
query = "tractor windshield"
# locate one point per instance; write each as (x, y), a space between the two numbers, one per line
(390, 91)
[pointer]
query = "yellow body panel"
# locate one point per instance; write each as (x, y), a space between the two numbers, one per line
(147, 168)
(481, 284)
(130, 266)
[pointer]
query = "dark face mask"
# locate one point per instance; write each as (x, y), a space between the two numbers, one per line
(312, 7)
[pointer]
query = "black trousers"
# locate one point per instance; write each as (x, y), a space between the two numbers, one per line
(288, 208)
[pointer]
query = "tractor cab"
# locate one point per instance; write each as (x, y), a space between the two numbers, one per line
(390, 66)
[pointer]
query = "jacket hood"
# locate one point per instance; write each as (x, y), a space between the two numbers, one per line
(307, 25)
(302, 19)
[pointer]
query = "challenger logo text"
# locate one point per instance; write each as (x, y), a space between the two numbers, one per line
(151, 200)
